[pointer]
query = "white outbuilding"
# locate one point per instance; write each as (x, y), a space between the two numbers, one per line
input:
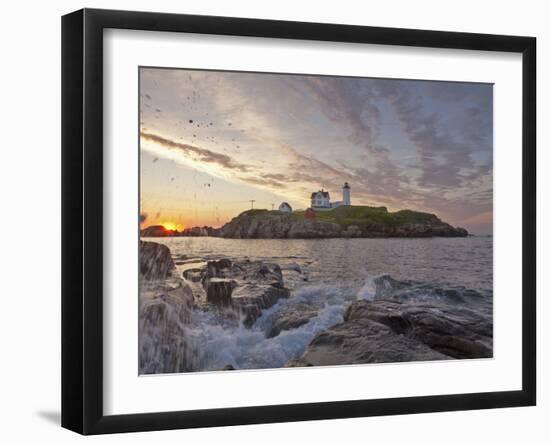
(285, 207)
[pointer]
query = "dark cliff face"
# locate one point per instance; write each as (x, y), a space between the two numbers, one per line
(273, 224)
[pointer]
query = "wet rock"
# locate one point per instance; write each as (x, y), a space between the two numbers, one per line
(250, 300)
(269, 274)
(388, 288)
(247, 286)
(458, 332)
(155, 261)
(292, 267)
(215, 268)
(406, 321)
(364, 341)
(157, 301)
(219, 290)
(249, 310)
(193, 274)
(163, 313)
(292, 317)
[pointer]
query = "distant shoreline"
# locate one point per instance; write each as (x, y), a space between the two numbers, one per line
(147, 238)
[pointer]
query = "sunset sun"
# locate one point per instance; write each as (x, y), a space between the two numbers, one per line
(170, 226)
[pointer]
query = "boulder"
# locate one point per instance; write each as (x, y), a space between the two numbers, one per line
(155, 261)
(361, 342)
(219, 290)
(163, 313)
(397, 327)
(193, 274)
(268, 274)
(160, 303)
(247, 286)
(456, 331)
(292, 317)
(388, 288)
(250, 300)
(215, 268)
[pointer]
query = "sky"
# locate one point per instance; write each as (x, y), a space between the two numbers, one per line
(212, 141)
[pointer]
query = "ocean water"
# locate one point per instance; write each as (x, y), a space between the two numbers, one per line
(334, 272)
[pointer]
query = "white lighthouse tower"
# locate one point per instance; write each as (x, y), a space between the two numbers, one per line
(346, 198)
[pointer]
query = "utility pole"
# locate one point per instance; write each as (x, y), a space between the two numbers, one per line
(272, 206)
(251, 203)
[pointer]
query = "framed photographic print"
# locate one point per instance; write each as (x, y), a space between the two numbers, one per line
(269, 221)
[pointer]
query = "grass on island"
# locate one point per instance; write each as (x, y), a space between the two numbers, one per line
(354, 215)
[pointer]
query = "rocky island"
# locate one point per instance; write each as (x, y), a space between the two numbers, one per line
(344, 221)
(341, 222)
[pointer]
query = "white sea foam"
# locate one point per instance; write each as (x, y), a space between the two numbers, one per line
(367, 291)
(245, 348)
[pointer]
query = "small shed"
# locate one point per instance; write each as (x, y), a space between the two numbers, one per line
(310, 214)
(285, 207)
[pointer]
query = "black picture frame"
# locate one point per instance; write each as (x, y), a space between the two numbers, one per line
(82, 218)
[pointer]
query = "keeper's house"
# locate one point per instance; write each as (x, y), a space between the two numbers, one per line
(320, 200)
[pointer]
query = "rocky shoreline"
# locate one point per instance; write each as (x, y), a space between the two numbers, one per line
(397, 325)
(365, 222)
(389, 331)
(274, 224)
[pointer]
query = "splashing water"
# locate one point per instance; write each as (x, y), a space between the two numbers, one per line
(244, 348)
